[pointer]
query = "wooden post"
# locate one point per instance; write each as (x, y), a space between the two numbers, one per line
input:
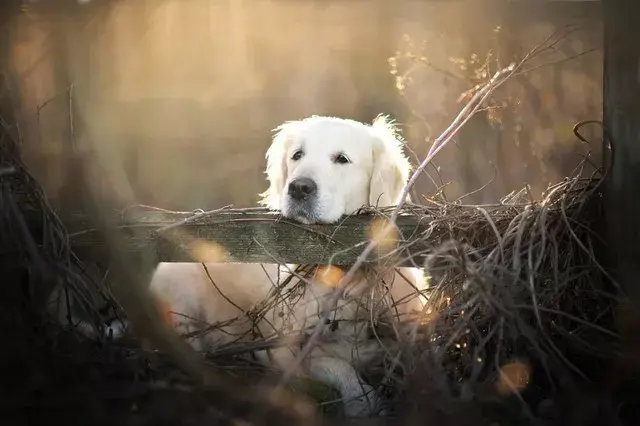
(622, 120)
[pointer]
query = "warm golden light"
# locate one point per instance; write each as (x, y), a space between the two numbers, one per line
(166, 313)
(384, 234)
(329, 275)
(513, 377)
(207, 251)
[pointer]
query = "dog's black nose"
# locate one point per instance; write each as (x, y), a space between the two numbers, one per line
(301, 188)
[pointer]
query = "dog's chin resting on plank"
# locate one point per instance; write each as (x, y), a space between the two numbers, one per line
(319, 169)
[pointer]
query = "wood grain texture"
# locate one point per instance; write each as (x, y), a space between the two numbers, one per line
(257, 236)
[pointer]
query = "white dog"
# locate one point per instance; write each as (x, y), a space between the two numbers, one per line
(319, 169)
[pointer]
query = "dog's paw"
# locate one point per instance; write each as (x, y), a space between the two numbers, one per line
(366, 404)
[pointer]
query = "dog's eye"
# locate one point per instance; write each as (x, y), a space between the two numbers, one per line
(341, 159)
(297, 155)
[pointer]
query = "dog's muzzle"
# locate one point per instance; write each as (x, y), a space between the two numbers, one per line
(302, 194)
(302, 189)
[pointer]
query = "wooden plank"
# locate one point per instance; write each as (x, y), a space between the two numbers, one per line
(256, 236)
(622, 120)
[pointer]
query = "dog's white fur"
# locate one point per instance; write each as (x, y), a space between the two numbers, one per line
(374, 174)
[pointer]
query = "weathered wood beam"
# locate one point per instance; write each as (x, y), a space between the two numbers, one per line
(255, 236)
(622, 120)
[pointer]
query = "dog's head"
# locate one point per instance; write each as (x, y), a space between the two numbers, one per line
(321, 168)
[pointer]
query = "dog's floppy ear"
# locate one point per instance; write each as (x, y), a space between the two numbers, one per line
(390, 166)
(276, 170)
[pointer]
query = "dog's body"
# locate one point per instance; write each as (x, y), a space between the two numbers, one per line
(319, 169)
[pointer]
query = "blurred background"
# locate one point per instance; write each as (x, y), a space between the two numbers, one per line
(177, 98)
